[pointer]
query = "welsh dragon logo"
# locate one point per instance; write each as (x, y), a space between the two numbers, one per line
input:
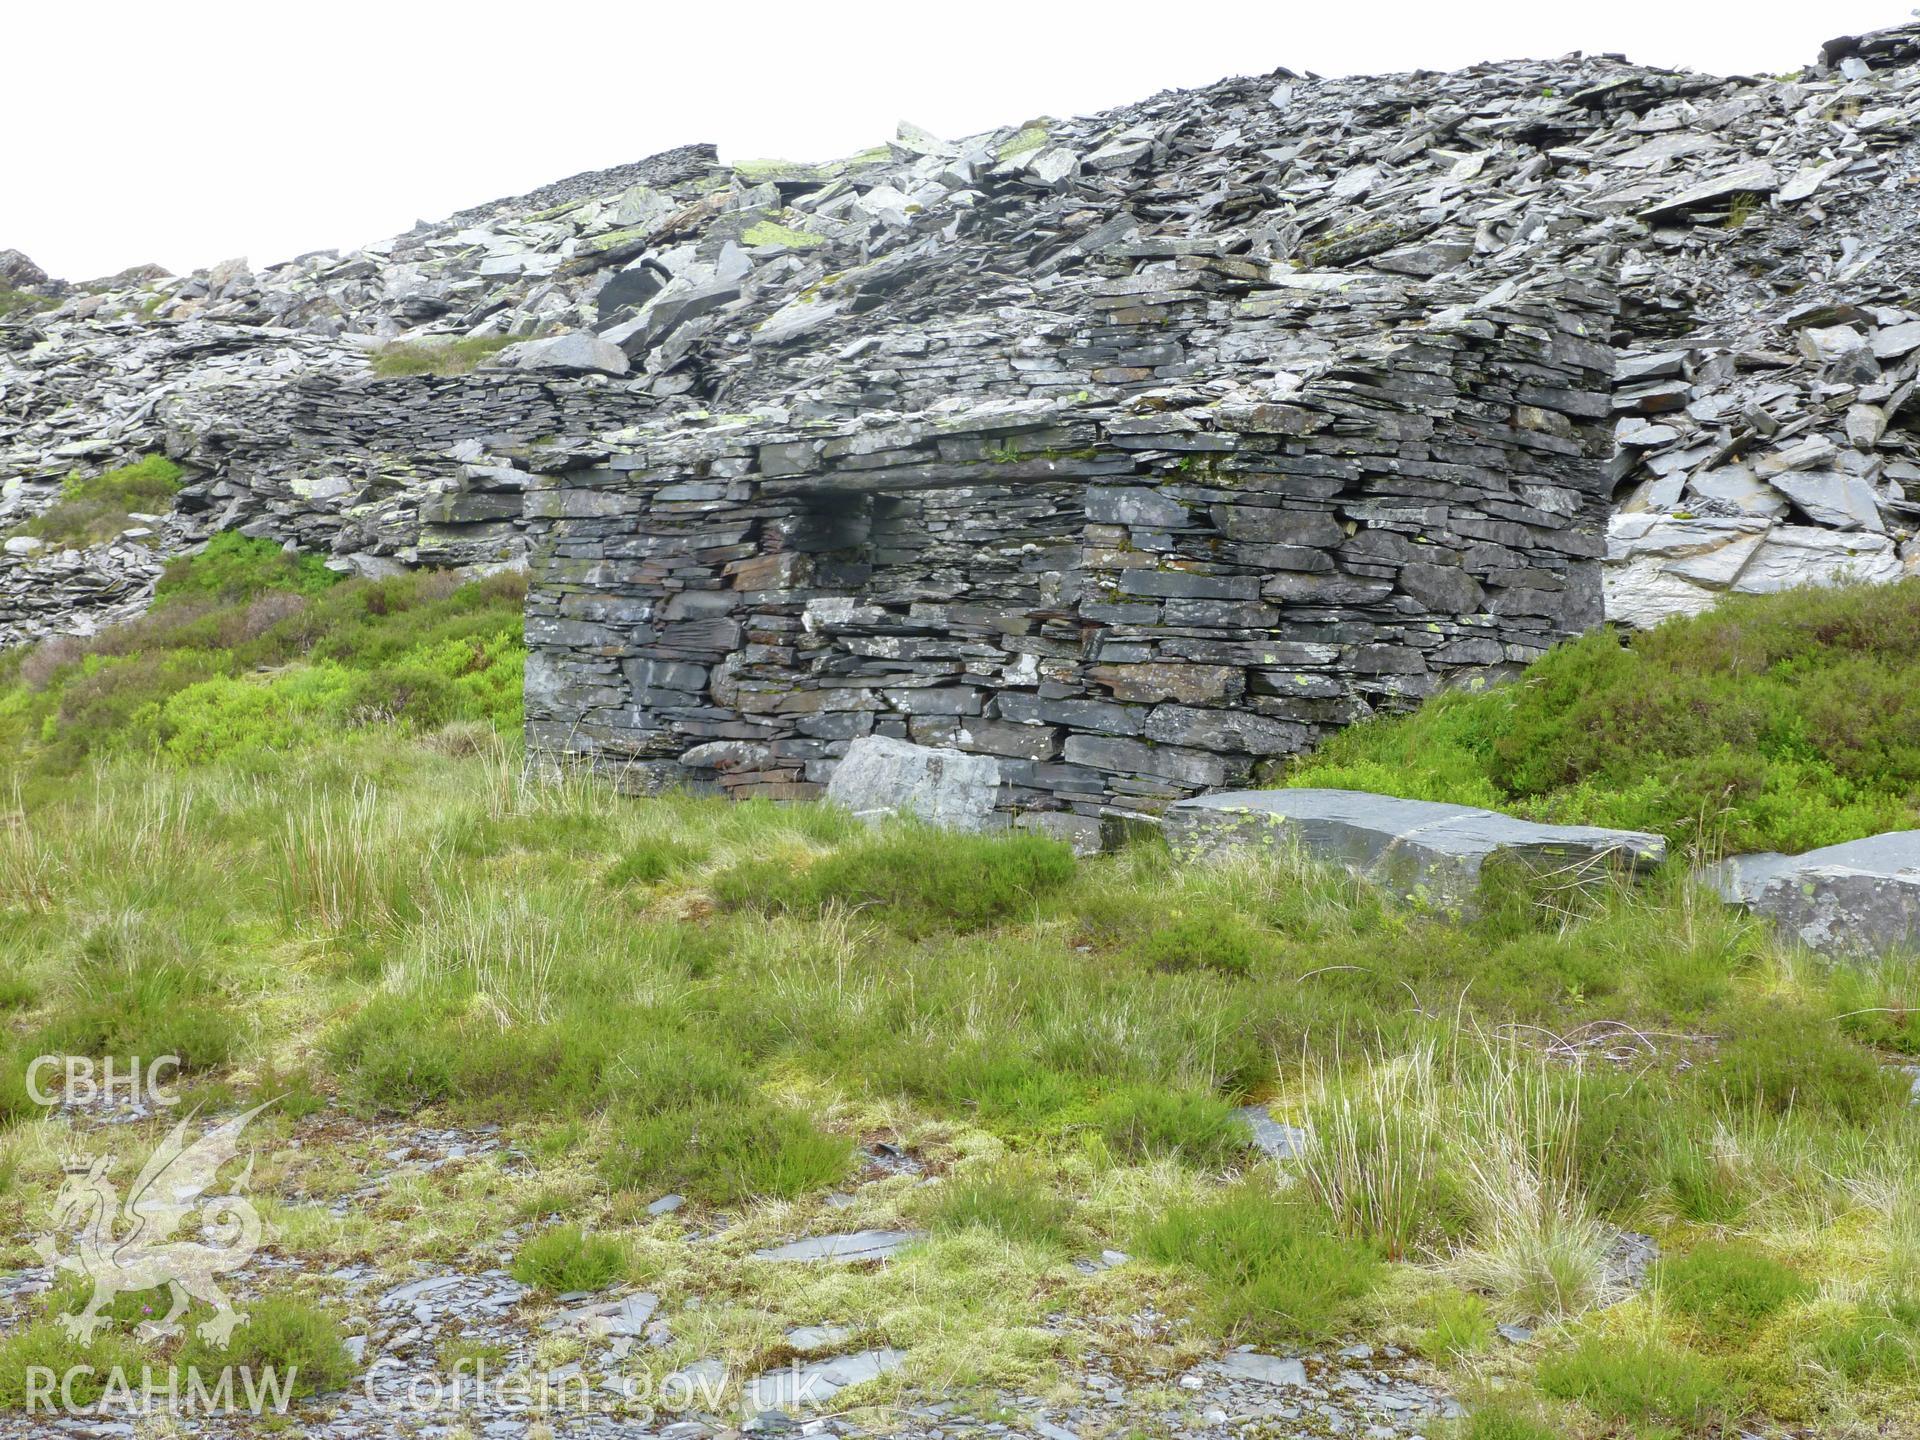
(167, 1192)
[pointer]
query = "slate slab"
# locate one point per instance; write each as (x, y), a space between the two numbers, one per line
(812, 1386)
(880, 776)
(1267, 1369)
(627, 1316)
(1754, 178)
(1417, 849)
(813, 1339)
(844, 1249)
(1858, 898)
(1272, 1138)
(574, 351)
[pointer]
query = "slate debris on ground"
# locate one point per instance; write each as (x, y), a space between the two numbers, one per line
(1759, 224)
(398, 1320)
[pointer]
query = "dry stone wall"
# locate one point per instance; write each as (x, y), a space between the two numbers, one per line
(1166, 562)
(399, 471)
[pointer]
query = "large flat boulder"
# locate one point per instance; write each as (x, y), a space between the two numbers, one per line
(1417, 849)
(575, 351)
(1860, 898)
(880, 776)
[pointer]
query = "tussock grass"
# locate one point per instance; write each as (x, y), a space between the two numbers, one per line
(1014, 1199)
(338, 867)
(1536, 1247)
(1469, 1154)
(1275, 1269)
(30, 868)
(567, 1258)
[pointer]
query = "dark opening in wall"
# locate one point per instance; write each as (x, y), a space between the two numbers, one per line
(836, 529)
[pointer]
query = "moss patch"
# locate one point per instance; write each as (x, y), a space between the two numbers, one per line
(766, 232)
(95, 509)
(437, 357)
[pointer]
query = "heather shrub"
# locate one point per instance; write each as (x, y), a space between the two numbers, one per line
(1771, 722)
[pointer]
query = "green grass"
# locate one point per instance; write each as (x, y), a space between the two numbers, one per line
(1013, 1200)
(437, 357)
(1642, 1381)
(726, 1152)
(655, 858)
(43, 1346)
(1213, 939)
(232, 568)
(1875, 1340)
(1782, 1057)
(1274, 1270)
(1459, 1324)
(17, 303)
(1148, 1121)
(1504, 1417)
(135, 989)
(1728, 1286)
(1772, 722)
(302, 1342)
(567, 1258)
(97, 508)
(283, 825)
(917, 879)
(464, 1353)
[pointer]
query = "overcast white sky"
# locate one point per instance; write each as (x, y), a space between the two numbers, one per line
(184, 133)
